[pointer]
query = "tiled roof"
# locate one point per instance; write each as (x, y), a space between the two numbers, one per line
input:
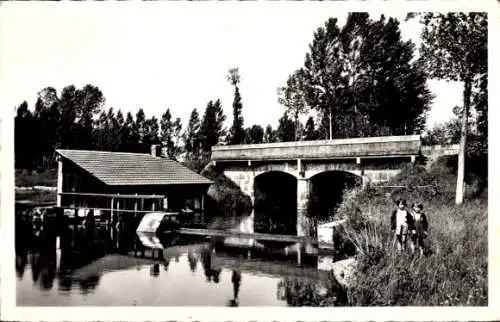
(123, 168)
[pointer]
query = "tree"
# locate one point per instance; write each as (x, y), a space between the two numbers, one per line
(269, 135)
(254, 134)
(151, 135)
(123, 132)
(192, 136)
(361, 79)
(23, 129)
(310, 130)
(69, 109)
(140, 129)
(293, 98)
(167, 130)
(237, 132)
(177, 139)
(89, 102)
(286, 129)
(131, 142)
(454, 47)
(209, 133)
(220, 118)
(100, 132)
(47, 119)
(113, 138)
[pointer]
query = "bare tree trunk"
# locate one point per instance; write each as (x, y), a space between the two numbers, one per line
(330, 123)
(459, 198)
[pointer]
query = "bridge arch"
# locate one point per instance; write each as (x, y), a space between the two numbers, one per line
(275, 202)
(315, 169)
(327, 191)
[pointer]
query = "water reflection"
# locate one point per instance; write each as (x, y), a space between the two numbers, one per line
(211, 275)
(193, 261)
(236, 280)
(89, 284)
(87, 271)
(21, 261)
(155, 270)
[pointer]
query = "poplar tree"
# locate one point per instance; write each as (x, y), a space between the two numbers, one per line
(237, 132)
(454, 47)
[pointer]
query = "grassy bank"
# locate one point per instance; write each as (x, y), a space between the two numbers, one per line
(25, 178)
(454, 269)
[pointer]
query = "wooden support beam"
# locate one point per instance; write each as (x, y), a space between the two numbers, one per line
(117, 195)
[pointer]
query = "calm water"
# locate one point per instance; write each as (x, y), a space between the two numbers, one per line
(193, 276)
(195, 273)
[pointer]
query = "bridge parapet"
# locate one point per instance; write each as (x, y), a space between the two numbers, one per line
(371, 147)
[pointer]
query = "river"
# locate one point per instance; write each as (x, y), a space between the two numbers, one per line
(189, 272)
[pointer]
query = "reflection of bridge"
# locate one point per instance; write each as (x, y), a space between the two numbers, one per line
(374, 159)
(279, 269)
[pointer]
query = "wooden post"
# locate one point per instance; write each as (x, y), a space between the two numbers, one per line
(299, 254)
(118, 233)
(135, 207)
(60, 179)
(111, 221)
(202, 208)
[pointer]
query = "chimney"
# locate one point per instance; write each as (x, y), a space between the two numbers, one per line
(154, 150)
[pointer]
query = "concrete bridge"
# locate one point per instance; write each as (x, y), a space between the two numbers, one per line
(373, 159)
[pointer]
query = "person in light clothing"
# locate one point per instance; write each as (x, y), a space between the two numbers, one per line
(401, 223)
(419, 233)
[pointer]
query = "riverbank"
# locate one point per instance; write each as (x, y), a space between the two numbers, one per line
(454, 269)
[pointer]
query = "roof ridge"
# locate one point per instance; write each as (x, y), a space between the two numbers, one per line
(101, 151)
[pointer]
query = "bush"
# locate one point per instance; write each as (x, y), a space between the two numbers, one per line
(225, 197)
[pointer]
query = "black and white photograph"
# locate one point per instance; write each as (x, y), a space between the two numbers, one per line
(238, 155)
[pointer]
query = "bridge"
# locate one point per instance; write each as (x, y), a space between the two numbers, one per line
(301, 167)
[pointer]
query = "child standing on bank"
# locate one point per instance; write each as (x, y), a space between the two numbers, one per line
(419, 233)
(401, 223)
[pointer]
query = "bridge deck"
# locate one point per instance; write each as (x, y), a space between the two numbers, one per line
(390, 146)
(260, 236)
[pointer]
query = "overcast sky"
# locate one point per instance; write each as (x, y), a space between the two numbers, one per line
(170, 55)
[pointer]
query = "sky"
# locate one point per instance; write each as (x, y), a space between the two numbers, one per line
(162, 55)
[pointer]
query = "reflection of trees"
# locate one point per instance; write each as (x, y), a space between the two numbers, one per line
(65, 283)
(298, 292)
(236, 280)
(193, 260)
(21, 261)
(43, 267)
(210, 274)
(155, 270)
(166, 263)
(89, 284)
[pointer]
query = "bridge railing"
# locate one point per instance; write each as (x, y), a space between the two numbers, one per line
(389, 146)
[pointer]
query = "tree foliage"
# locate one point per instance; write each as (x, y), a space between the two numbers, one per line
(286, 129)
(454, 47)
(310, 132)
(192, 136)
(237, 132)
(254, 134)
(362, 79)
(212, 127)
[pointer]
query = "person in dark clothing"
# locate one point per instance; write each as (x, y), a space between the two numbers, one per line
(420, 227)
(401, 224)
